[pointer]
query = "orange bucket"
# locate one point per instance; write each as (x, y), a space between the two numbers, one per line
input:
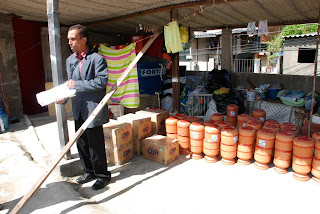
(245, 145)
(183, 128)
(171, 125)
(228, 147)
(217, 117)
(272, 122)
(283, 151)
(242, 119)
(264, 147)
(303, 149)
(232, 110)
(184, 144)
(259, 113)
(196, 131)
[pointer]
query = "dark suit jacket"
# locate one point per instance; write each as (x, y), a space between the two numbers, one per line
(90, 86)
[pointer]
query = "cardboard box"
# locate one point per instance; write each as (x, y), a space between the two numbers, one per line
(160, 149)
(116, 134)
(52, 107)
(121, 155)
(158, 118)
(116, 109)
(141, 125)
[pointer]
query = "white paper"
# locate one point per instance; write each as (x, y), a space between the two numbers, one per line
(50, 96)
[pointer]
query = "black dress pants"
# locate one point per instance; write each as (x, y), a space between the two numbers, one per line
(91, 150)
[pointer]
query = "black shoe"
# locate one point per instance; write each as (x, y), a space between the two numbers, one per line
(100, 183)
(85, 178)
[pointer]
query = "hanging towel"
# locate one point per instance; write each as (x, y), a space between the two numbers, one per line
(117, 61)
(251, 28)
(172, 37)
(263, 28)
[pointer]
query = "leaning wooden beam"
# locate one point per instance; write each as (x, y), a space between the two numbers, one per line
(84, 126)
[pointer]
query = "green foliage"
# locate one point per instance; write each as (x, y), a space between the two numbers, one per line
(277, 42)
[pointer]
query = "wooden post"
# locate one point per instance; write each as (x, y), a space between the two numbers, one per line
(84, 126)
(175, 72)
(314, 76)
(56, 66)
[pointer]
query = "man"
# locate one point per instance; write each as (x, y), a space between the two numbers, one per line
(87, 73)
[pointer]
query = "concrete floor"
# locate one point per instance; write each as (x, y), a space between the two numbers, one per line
(140, 186)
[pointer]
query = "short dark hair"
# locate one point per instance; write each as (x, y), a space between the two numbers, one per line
(82, 31)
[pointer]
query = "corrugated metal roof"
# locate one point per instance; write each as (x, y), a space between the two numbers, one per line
(121, 16)
(302, 35)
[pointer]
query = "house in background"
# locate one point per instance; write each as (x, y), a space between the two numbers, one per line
(249, 52)
(299, 54)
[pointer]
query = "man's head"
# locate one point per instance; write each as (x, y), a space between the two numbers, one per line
(78, 38)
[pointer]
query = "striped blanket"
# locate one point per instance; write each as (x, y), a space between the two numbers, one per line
(118, 60)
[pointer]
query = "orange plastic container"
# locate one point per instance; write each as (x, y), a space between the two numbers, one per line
(211, 150)
(171, 125)
(222, 124)
(228, 146)
(254, 119)
(272, 122)
(316, 169)
(256, 125)
(303, 149)
(273, 128)
(291, 125)
(192, 119)
(232, 121)
(184, 144)
(242, 119)
(292, 130)
(259, 113)
(316, 136)
(212, 133)
(264, 147)
(172, 135)
(232, 110)
(208, 123)
(180, 116)
(283, 151)
(183, 128)
(211, 143)
(196, 147)
(217, 117)
(196, 131)
(317, 149)
(245, 145)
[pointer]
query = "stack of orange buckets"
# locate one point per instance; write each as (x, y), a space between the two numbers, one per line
(316, 159)
(303, 149)
(183, 136)
(211, 142)
(232, 113)
(228, 146)
(196, 140)
(171, 127)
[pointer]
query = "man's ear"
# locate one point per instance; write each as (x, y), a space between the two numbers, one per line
(85, 39)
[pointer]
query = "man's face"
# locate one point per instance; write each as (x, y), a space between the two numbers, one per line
(76, 43)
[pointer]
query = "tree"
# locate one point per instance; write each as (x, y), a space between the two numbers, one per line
(275, 46)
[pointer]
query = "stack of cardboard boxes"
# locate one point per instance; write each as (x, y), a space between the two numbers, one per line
(118, 141)
(137, 134)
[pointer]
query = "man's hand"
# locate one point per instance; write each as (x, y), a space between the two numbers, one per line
(70, 83)
(60, 101)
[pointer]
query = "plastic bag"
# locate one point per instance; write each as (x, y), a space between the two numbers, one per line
(211, 110)
(184, 34)
(167, 103)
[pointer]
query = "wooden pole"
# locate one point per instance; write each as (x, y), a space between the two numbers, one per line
(57, 71)
(314, 77)
(175, 72)
(84, 126)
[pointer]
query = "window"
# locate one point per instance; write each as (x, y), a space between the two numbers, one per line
(306, 55)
